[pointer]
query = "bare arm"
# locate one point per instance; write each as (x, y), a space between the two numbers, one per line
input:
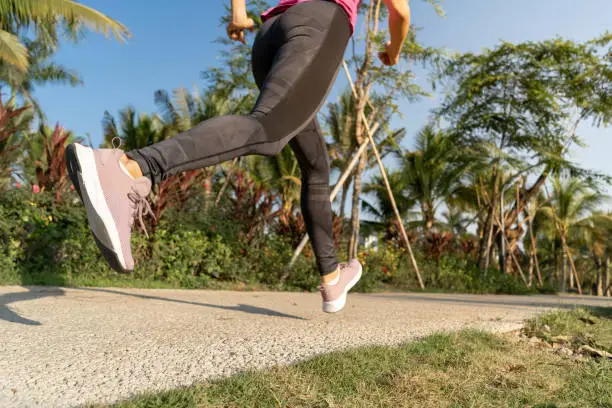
(239, 10)
(399, 25)
(240, 21)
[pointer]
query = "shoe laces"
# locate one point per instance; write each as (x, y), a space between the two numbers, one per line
(140, 209)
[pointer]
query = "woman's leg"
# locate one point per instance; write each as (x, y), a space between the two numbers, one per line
(300, 51)
(311, 153)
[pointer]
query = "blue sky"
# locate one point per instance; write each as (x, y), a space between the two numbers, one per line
(172, 44)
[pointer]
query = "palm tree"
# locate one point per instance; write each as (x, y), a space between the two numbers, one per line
(454, 219)
(597, 237)
(340, 124)
(381, 207)
(45, 18)
(570, 210)
(184, 110)
(42, 70)
(280, 177)
(433, 172)
(134, 131)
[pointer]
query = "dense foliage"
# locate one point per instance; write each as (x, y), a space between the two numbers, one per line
(491, 200)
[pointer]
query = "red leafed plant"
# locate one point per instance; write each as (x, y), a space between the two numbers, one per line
(436, 243)
(176, 191)
(251, 204)
(9, 125)
(52, 174)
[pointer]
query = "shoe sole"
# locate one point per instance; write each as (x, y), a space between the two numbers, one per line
(83, 173)
(337, 305)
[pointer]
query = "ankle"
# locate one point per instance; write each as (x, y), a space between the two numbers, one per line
(330, 277)
(132, 167)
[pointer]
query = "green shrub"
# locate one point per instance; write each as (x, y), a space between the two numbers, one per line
(42, 242)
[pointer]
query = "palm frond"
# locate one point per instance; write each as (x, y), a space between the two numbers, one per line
(13, 51)
(40, 10)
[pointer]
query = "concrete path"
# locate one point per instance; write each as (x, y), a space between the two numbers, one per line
(66, 347)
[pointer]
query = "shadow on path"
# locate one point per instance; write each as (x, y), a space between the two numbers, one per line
(535, 301)
(238, 308)
(33, 293)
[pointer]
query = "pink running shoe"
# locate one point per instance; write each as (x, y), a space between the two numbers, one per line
(334, 296)
(112, 198)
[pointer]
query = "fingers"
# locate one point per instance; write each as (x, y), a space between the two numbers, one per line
(384, 58)
(236, 35)
(236, 31)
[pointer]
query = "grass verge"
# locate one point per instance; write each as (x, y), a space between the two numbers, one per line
(467, 369)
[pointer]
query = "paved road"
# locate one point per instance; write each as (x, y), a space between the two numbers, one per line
(65, 347)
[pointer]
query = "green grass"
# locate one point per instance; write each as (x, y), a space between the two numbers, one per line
(575, 328)
(468, 369)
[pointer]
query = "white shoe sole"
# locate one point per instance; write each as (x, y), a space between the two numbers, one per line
(337, 305)
(101, 221)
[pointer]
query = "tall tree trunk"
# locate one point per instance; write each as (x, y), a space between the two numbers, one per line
(354, 241)
(607, 283)
(563, 272)
(485, 241)
(534, 251)
(501, 258)
(530, 283)
(552, 264)
(600, 280)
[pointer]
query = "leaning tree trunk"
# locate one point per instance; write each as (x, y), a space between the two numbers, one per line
(486, 241)
(572, 283)
(573, 271)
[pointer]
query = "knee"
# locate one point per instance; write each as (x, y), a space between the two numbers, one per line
(317, 173)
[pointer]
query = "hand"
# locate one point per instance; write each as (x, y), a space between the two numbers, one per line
(388, 57)
(235, 29)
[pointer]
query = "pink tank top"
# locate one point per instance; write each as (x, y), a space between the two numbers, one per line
(349, 6)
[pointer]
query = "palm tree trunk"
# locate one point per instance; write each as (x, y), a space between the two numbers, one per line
(354, 241)
(563, 272)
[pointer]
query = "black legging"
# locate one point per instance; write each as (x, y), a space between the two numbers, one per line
(295, 60)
